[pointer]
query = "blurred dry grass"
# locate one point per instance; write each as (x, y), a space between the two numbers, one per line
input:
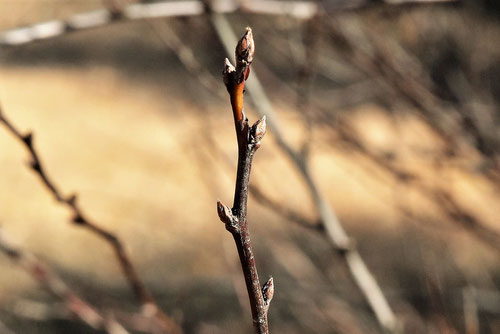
(140, 155)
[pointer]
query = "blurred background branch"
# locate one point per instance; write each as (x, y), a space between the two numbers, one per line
(148, 304)
(391, 108)
(52, 283)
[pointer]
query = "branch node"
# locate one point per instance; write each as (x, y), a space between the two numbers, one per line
(35, 165)
(28, 139)
(78, 219)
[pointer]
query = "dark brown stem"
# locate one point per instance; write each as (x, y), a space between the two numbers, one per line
(79, 218)
(332, 226)
(235, 219)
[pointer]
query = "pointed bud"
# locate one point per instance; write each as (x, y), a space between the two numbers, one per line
(245, 48)
(258, 131)
(260, 128)
(268, 291)
(225, 214)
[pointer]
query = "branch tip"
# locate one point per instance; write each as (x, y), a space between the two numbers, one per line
(245, 48)
(244, 52)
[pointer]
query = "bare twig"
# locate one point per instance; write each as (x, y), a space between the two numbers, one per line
(56, 286)
(79, 218)
(235, 219)
(140, 11)
(173, 41)
(43, 312)
(258, 193)
(334, 230)
(444, 200)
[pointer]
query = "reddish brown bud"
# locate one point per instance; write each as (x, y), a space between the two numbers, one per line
(245, 48)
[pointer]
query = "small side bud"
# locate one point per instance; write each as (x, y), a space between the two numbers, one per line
(225, 214)
(258, 131)
(268, 291)
(260, 128)
(228, 71)
(227, 217)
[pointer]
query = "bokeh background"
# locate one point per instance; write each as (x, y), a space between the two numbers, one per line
(396, 105)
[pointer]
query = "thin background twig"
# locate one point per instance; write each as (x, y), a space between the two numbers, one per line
(51, 282)
(149, 305)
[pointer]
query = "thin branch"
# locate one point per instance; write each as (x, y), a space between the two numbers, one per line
(334, 230)
(235, 219)
(80, 218)
(43, 312)
(442, 198)
(287, 212)
(164, 9)
(56, 286)
(169, 37)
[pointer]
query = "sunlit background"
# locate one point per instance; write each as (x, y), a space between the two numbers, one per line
(394, 107)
